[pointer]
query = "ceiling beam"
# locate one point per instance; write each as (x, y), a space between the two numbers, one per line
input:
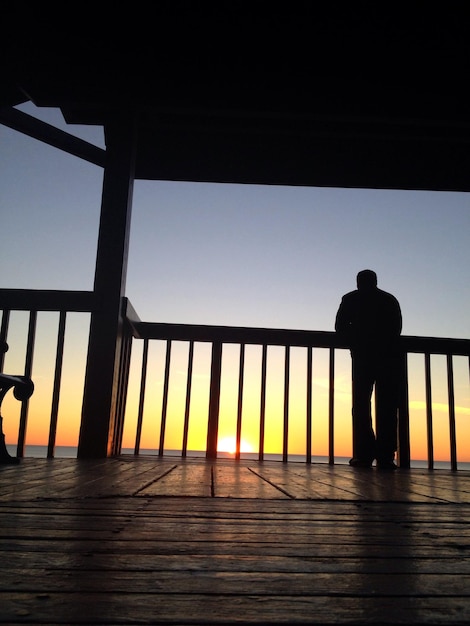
(29, 125)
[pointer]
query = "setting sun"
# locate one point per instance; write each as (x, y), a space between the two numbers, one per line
(229, 444)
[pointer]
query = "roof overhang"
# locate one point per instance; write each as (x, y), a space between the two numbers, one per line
(347, 100)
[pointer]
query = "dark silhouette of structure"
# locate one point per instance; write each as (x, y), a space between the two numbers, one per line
(234, 93)
(370, 322)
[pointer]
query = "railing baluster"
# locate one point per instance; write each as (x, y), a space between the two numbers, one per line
(165, 397)
(214, 401)
(404, 416)
(285, 438)
(262, 417)
(56, 389)
(188, 398)
(309, 403)
(124, 367)
(453, 438)
(429, 420)
(241, 375)
(143, 379)
(331, 409)
(27, 372)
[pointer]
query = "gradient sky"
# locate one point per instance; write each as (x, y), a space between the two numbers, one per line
(235, 254)
(244, 255)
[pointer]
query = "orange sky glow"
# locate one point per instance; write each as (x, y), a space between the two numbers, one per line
(72, 386)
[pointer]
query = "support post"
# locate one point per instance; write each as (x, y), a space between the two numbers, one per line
(214, 401)
(101, 390)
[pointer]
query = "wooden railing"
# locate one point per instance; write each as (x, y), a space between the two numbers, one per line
(33, 302)
(218, 337)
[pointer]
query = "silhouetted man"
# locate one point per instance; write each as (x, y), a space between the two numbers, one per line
(369, 320)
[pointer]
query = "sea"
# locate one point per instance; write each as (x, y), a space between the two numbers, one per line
(70, 452)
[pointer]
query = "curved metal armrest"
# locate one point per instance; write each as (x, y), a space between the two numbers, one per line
(23, 387)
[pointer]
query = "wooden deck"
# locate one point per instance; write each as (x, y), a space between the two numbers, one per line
(173, 541)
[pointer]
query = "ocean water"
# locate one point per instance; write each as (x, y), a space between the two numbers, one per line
(71, 452)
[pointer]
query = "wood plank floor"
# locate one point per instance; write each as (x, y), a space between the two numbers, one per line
(173, 541)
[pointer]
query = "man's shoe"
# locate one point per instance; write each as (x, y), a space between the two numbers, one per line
(360, 463)
(386, 465)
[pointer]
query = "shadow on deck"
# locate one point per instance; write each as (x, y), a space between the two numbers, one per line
(167, 540)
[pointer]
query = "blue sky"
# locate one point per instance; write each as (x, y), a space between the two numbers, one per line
(278, 257)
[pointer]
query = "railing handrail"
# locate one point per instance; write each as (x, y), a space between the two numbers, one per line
(85, 301)
(282, 337)
(47, 300)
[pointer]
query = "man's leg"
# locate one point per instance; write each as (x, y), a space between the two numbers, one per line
(387, 411)
(363, 434)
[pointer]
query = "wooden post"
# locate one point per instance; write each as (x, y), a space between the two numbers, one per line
(331, 409)
(241, 379)
(450, 389)
(262, 416)
(403, 416)
(214, 401)
(285, 434)
(309, 403)
(102, 376)
(28, 368)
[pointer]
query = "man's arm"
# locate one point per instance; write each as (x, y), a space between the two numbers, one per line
(343, 322)
(399, 318)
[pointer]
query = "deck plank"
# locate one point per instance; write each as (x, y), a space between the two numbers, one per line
(169, 540)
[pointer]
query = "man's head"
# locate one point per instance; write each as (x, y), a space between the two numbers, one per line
(366, 280)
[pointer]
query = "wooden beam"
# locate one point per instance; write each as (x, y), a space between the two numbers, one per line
(101, 389)
(29, 125)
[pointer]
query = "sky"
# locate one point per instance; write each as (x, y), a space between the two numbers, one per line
(247, 255)
(243, 255)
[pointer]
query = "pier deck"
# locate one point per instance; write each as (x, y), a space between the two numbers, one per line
(188, 541)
